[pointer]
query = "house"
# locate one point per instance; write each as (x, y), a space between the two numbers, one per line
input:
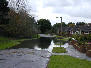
(78, 30)
(72, 30)
(89, 24)
(85, 30)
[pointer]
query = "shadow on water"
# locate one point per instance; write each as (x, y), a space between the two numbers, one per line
(42, 43)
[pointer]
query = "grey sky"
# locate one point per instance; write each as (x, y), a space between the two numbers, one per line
(70, 10)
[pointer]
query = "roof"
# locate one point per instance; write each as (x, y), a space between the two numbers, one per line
(77, 28)
(85, 28)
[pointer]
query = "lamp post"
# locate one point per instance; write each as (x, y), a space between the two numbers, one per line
(61, 24)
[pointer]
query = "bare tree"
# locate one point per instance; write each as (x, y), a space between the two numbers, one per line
(18, 5)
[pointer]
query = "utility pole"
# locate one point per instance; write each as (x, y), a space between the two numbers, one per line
(61, 24)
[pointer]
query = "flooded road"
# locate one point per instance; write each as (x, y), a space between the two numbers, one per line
(42, 43)
(29, 54)
(35, 53)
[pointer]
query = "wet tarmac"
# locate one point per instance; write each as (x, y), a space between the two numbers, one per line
(24, 58)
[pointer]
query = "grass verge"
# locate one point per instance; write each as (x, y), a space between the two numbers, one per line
(64, 39)
(59, 50)
(66, 61)
(9, 42)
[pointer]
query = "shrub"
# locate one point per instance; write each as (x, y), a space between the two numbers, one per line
(82, 39)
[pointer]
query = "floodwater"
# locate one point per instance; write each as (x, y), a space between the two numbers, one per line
(35, 53)
(39, 44)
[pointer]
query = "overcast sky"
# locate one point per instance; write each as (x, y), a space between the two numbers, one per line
(70, 10)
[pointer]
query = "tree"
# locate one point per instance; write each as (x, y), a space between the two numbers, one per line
(21, 24)
(80, 24)
(4, 12)
(71, 24)
(44, 25)
(20, 4)
(63, 24)
(57, 27)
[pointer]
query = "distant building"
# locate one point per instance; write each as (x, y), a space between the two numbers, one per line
(78, 30)
(89, 24)
(85, 29)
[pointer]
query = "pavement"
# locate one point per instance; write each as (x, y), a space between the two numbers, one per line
(71, 51)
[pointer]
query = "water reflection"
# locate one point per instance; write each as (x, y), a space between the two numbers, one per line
(41, 43)
(51, 46)
(44, 43)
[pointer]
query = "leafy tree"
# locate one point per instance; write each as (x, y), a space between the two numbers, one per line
(44, 25)
(80, 24)
(57, 26)
(64, 24)
(21, 24)
(71, 24)
(4, 12)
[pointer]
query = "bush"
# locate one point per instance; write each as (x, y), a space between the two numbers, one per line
(70, 39)
(82, 39)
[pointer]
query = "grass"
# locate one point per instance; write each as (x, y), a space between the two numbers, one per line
(59, 50)
(36, 36)
(64, 39)
(59, 36)
(9, 42)
(58, 43)
(67, 62)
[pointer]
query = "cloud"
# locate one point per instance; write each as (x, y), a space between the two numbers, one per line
(70, 10)
(76, 8)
